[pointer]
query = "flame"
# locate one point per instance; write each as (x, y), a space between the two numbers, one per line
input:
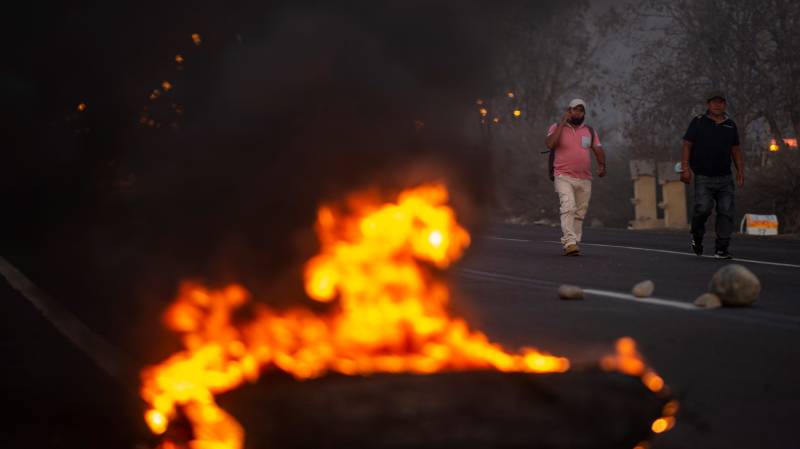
(517, 112)
(197, 39)
(179, 58)
(627, 360)
(378, 263)
(81, 107)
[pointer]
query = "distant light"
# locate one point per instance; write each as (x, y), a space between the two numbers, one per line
(791, 143)
(197, 39)
(517, 112)
(479, 102)
(483, 112)
(166, 85)
(155, 94)
(773, 146)
(653, 381)
(663, 424)
(659, 425)
(496, 120)
(179, 59)
(671, 408)
(510, 94)
(81, 107)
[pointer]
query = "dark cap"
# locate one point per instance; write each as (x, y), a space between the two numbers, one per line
(715, 94)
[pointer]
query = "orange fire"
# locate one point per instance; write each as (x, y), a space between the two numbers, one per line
(627, 360)
(378, 267)
(379, 262)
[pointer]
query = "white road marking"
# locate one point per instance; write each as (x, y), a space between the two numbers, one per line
(507, 239)
(592, 291)
(663, 251)
(648, 300)
(107, 357)
(752, 316)
(736, 259)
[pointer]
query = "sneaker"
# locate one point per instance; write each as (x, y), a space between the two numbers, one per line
(697, 247)
(722, 254)
(571, 250)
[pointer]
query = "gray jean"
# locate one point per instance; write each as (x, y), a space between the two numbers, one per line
(708, 191)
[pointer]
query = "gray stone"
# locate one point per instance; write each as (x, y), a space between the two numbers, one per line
(643, 289)
(735, 285)
(570, 292)
(708, 301)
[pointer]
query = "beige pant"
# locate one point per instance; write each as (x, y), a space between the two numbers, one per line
(574, 194)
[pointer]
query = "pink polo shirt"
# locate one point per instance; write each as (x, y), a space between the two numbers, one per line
(573, 151)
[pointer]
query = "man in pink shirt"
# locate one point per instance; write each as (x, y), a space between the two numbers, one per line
(571, 141)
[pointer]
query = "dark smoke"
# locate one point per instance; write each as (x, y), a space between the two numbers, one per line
(286, 106)
(324, 101)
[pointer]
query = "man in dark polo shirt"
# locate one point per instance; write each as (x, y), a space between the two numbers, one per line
(709, 146)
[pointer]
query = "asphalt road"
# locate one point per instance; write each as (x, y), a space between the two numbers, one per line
(734, 370)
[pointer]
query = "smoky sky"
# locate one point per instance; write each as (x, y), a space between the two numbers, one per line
(322, 101)
(284, 106)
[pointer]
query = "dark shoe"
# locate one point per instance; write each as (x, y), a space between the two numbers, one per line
(722, 254)
(572, 250)
(697, 247)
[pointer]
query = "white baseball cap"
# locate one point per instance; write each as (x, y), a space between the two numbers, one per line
(577, 102)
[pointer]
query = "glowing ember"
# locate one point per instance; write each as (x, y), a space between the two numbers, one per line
(510, 94)
(378, 262)
(179, 59)
(517, 112)
(483, 112)
(166, 85)
(663, 424)
(81, 107)
(197, 39)
(627, 360)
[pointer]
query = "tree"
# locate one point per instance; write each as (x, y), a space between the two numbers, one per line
(544, 56)
(748, 48)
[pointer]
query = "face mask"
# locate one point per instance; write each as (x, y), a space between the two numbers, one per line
(576, 120)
